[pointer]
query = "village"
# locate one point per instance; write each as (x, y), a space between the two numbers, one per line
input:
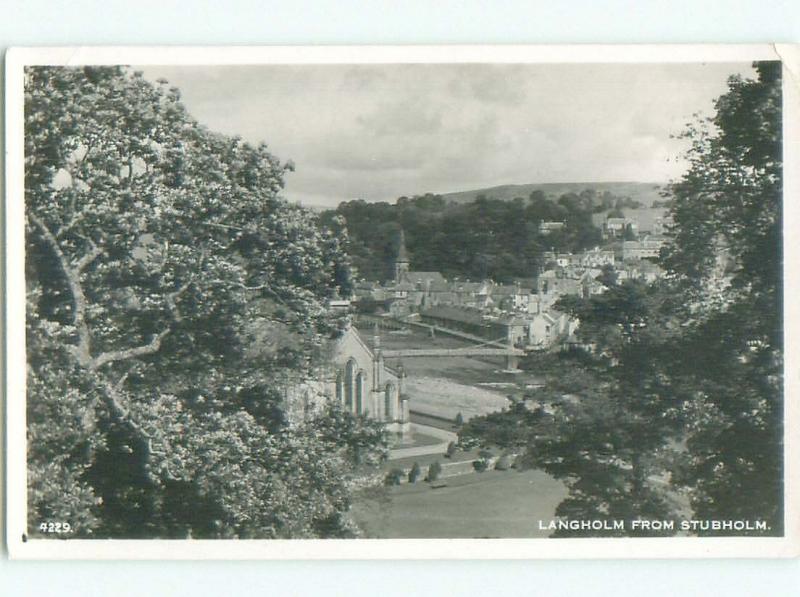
(521, 314)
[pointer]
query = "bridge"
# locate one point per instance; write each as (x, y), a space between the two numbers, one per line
(452, 352)
(483, 348)
(511, 354)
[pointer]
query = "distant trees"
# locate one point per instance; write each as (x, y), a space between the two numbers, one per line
(485, 238)
(171, 295)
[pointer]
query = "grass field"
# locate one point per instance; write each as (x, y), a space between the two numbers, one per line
(445, 386)
(486, 505)
(445, 398)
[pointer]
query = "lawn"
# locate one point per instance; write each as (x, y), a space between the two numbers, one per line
(492, 504)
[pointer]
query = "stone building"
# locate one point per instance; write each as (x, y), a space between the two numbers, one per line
(647, 247)
(364, 384)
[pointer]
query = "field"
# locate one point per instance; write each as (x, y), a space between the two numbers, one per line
(505, 504)
(445, 386)
(446, 398)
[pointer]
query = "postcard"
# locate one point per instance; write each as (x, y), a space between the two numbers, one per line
(402, 302)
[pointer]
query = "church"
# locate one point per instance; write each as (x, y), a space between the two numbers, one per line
(363, 384)
(414, 290)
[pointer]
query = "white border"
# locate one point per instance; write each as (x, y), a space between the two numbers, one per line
(17, 58)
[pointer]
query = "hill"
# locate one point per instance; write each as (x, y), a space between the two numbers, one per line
(644, 192)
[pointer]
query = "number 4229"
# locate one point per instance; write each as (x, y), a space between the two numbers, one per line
(55, 527)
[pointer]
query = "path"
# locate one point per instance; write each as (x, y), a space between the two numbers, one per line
(413, 451)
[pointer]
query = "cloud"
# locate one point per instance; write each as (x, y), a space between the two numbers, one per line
(381, 131)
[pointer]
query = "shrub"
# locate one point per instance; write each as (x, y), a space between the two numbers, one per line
(505, 462)
(414, 473)
(434, 470)
(451, 449)
(467, 442)
(394, 476)
(482, 463)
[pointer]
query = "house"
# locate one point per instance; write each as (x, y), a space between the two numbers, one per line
(548, 328)
(567, 259)
(548, 227)
(663, 225)
(465, 293)
(517, 332)
(509, 297)
(438, 293)
(647, 247)
(643, 270)
(616, 227)
(597, 258)
(553, 284)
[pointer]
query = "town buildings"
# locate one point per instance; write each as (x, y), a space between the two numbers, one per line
(522, 313)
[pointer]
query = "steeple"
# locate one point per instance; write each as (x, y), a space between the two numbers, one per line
(401, 262)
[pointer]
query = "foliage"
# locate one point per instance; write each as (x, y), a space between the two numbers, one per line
(434, 470)
(484, 238)
(511, 428)
(394, 477)
(172, 298)
(480, 465)
(504, 463)
(414, 473)
(727, 264)
(482, 462)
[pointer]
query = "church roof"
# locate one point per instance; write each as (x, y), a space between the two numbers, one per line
(434, 277)
(404, 285)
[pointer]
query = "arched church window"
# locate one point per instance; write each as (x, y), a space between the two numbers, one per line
(389, 397)
(360, 393)
(349, 384)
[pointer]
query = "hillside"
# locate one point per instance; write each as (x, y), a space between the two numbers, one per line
(644, 192)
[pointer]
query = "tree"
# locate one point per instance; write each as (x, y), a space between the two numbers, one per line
(414, 473)
(629, 233)
(615, 416)
(172, 294)
(726, 259)
(696, 360)
(434, 470)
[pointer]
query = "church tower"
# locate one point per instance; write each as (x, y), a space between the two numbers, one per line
(401, 263)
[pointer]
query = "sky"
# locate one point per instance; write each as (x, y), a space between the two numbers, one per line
(378, 132)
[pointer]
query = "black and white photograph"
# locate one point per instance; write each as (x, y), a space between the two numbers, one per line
(333, 299)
